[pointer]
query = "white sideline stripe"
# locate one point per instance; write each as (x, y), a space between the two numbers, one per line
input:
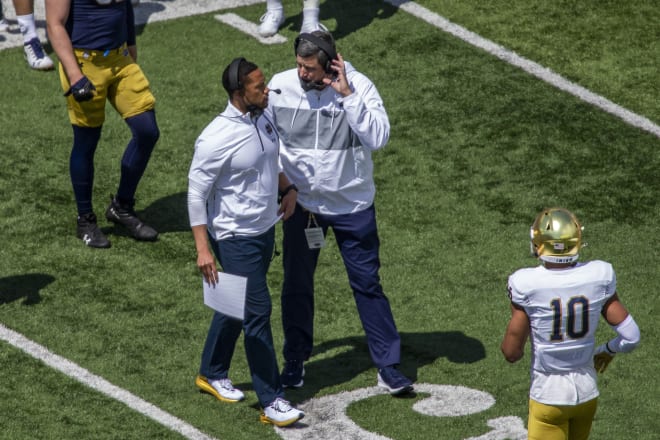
(101, 385)
(149, 11)
(249, 28)
(528, 66)
(179, 8)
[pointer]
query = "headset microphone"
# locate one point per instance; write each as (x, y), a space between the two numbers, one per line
(278, 91)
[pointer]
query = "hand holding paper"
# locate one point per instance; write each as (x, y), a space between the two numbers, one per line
(227, 296)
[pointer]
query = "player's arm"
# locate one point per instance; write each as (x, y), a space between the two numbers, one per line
(627, 338)
(57, 12)
(516, 334)
(131, 42)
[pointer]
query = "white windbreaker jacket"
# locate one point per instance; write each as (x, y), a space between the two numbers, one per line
(233, 177)
(326, 141)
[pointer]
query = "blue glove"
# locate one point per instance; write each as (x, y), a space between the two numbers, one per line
(82, 90)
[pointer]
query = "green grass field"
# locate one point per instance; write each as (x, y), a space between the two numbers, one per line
(477, 148)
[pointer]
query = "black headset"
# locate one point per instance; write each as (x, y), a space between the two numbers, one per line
(234, 80)
(321, 44)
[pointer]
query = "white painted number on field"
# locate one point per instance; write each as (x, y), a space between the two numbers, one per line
(325, 416)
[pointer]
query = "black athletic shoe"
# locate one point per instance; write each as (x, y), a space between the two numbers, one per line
(89, 232)
(125, 215)
(392, 380)
(292, 374)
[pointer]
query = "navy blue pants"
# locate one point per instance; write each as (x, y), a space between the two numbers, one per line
(133, 163)
(357, 238)
(249, 257)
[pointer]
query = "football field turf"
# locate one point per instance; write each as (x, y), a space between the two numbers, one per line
(498, 109)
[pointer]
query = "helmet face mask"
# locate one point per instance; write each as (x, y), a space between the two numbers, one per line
(556, 236)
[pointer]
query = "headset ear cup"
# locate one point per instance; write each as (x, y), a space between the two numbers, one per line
(296, 42)
(234, 80)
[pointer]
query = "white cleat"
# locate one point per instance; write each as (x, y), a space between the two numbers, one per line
(221, 389)
(271, 22)
(281, 413)
(36, 57)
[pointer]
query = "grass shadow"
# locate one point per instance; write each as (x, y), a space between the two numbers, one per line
(23, 286)
(349, 15)
(352, 358)
(168, 214)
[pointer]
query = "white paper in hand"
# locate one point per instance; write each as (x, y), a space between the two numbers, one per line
(227, 296)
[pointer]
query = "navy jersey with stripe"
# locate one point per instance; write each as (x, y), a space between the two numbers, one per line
(101, 24)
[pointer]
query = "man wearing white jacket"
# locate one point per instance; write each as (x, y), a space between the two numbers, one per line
(232, 205)
(330, 118)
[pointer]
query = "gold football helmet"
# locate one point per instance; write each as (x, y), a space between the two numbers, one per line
(556, 236)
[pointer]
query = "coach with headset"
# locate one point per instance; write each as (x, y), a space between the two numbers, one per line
(330, 118)
(233, 208)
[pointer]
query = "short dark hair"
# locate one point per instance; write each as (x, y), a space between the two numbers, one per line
(306, 48)
(244, 69)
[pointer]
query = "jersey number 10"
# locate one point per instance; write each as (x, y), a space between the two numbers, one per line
(576, 307)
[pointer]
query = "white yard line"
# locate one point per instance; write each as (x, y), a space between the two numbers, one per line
(151, 11)
(528, 66)
(101, 385)
(148, 11)
(250, 28)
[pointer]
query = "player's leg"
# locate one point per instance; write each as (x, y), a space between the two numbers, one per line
(133, 99)
(4, 25)
(86, 120)
(272, 19)
(547, 422)
(32, 48)
(310, 16)
(579, 425)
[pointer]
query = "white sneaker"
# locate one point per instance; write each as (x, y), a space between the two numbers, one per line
(271, 22)
(281, 413)
(4, 24)
(36, 57)
(222, 389)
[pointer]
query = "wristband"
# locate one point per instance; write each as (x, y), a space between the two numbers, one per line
(607, 347)
(286, 190)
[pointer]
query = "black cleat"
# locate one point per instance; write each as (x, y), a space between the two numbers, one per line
(123, 214)
(392, 380)
(292, 374)
(89, 232)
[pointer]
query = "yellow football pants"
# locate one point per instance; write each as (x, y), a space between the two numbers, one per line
(117, 78)
(549, 422)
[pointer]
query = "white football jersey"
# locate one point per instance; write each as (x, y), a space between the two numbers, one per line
(563, 306)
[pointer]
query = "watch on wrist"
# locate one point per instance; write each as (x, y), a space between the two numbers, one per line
(286, 190)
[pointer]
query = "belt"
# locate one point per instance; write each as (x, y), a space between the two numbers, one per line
(91, 54)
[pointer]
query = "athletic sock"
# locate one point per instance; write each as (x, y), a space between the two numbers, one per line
(273, 5)
(28, 27)
(310, 4)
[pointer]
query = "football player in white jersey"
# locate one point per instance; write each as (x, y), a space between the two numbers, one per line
(558, 304)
